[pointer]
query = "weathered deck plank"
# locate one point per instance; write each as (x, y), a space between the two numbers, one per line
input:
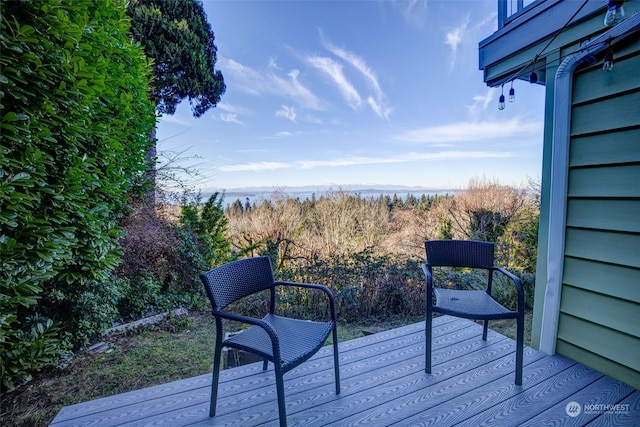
(383, 384)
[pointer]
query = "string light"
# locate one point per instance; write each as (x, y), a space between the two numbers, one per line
(533, 77)
(607, 65)
(512, 93)
(615, 13)
(501, 101)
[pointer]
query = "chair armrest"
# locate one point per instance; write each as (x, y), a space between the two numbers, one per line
(327, 291)
(427, 276)
(250, 321)
(517, 282)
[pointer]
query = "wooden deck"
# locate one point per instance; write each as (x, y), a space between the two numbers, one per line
(384, 384)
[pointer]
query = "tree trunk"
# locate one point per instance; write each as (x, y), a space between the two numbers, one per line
(151, 158)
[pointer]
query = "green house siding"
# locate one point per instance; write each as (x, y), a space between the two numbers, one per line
(599, 323)
(599, 288)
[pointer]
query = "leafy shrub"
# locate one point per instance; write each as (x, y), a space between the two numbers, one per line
(160, 266)
(142, 297)
(208, 224)
(31, 348)
(364, 285)
(75, 117)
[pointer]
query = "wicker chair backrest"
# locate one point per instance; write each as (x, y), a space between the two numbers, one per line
(459, 253)
(235, 280)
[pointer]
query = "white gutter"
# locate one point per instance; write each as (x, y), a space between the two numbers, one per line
(560, 175)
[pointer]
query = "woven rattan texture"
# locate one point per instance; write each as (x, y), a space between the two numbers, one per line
(230, 282)
(299, 339)
(471, 303)
(459, 253)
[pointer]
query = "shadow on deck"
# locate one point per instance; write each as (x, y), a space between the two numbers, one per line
(384, 384)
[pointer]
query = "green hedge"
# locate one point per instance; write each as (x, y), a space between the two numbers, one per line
(75, 119)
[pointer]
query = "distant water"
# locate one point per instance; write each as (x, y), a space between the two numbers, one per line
(258, 197)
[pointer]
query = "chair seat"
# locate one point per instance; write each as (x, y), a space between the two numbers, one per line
(298, 339)
(470, 304)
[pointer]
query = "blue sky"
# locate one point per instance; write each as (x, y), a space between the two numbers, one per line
(352, 93)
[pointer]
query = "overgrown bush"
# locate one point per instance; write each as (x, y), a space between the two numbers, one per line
(160, 266)
(75, 117)
(163, 257)
(369, 250)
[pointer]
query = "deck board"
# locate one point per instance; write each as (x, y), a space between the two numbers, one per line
(383, 384)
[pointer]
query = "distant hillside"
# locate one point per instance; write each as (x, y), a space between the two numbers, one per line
(302, 192)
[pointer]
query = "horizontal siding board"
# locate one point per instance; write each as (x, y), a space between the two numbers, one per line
(606, 366)
(607, 279)
(608, 148)
(620, 215)
(614, 248)
(613, 313)
(606, 181)
(605, 115)
(590, 86)
(516, 44)
(610, 344)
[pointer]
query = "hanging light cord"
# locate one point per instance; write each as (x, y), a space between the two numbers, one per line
(535, 59)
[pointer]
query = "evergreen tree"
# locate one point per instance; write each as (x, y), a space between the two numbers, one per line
(210, 225)
(236, 208)
(177, 36)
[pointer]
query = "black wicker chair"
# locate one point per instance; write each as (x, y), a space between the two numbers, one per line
(470, 304)
(283, 341)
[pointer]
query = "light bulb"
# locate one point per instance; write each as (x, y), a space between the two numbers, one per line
(533, 77)
(615, 13)
(501, 103)
(512, 95)
(607, 65)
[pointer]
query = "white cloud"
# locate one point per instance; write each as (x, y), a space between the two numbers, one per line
(481, 103)
(231, 108)
(259, 83)
(376, 102)
(403, 158)
(454, 38)
(358, 63)
(283, 134)
(379, 108)
(354, 161)
(412, 12)
(287, 112)
(470, 131)
(273, 63)
(255, 167)
(230, 118)
(335, 72)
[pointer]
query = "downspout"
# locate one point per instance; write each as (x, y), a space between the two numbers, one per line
(560, 174)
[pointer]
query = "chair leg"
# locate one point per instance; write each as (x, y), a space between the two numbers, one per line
(265, 364)
(282, 410)
(336, 366)
(485, 329)
(214, 381)
(428, 338)
(519, 348)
